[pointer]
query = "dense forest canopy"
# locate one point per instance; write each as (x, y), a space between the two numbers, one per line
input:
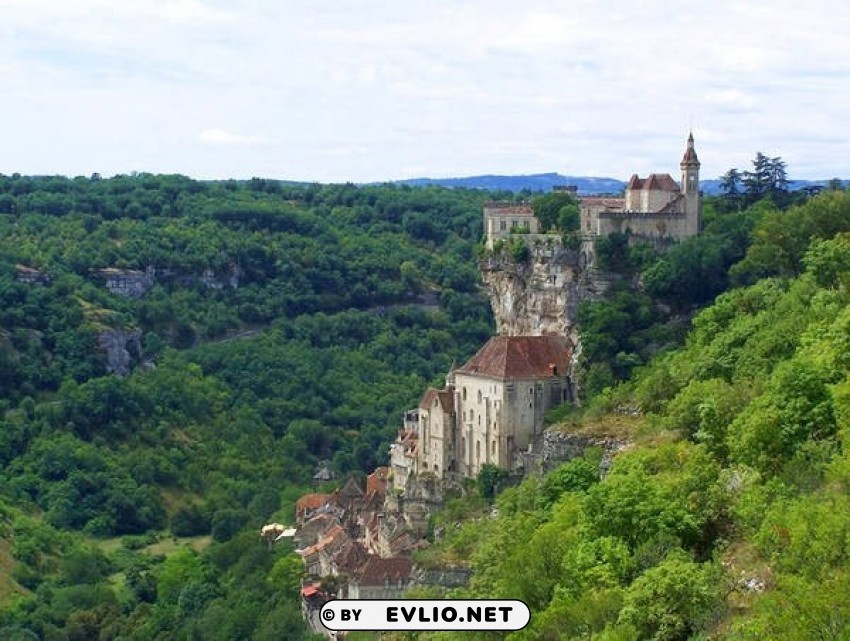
(277, 326)
(270, 326)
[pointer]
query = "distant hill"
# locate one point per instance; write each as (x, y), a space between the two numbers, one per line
(545, 182)
(533, 182)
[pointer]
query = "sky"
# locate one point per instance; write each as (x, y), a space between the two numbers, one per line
(372, 90)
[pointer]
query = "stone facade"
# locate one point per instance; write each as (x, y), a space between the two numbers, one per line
(490, 411)
(503, 219)
(654, 209)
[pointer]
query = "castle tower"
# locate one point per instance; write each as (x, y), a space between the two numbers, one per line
(690, 187)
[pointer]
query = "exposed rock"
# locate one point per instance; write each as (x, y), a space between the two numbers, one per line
(121, 347)
(127, 282)
(31, 276)
(450, 576)
(550, 449)
(541, 295)
(214, 281)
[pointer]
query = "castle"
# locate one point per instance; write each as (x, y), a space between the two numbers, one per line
(654, 208)
(489, 411)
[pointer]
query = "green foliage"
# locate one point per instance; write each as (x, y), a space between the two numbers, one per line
(557, 210)
(781, 238)
(673, 600)
(612, 253)
(517, 248)
(285, 325)
(489, 480)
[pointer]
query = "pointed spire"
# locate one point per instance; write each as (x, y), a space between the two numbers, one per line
(690, 157)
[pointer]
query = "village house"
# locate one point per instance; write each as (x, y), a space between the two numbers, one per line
(380, 578)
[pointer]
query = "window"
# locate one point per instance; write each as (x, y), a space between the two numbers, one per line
(514, 224)
(503, 225)
(477, 451)
(464, 393)
(479, 397)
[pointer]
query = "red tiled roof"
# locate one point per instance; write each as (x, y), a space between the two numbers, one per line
(377, 569)
(597, 201)
(508, 209)
(433, 397)
(428, 398)
(520, 357)
(376, 482)
(311, 502)
(350, 557)
(335, 536)
(663, 182)
(635, 182)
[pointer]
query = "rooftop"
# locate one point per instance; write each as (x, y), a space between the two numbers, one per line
(520, 357)
(376, 570)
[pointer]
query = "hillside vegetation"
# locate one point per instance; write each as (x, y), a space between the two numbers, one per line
(729, 515)
(283, 325)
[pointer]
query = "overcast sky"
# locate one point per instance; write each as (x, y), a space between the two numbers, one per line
(363, 90)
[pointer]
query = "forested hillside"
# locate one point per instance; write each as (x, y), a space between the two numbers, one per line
(728, 516)
(272, 326)
(277, 325)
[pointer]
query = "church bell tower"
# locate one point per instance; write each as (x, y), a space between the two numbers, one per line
(690, 187)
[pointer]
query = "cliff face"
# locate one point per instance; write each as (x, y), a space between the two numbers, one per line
(541, 295)
(122, 347)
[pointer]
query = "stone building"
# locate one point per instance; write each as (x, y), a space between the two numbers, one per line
(490, 410)
(654, 208)
(503, 219)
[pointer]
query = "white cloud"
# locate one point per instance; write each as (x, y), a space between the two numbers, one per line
(362, 91)
(732, 99)
(218, 136)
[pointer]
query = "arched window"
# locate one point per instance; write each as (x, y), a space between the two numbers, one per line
(464, 393)
(479, 396)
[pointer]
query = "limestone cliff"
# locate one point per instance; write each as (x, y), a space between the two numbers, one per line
(122, 347)
(540, 295)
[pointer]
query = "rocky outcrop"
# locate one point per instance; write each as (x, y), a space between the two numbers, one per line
(550, 449)
(122, 347)
(449, 576)
(31, 276)
(129, 283)
(541, 295)
(214, 281)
